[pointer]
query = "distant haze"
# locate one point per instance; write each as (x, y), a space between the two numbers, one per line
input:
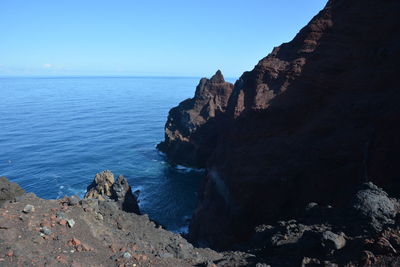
(146, 38)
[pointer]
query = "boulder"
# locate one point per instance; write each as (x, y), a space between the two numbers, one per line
(372, 208)
(332, 242)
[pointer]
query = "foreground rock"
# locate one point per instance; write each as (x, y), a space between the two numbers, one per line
(328, 236)
(101, 235)
(104, 187)
(9, 191)
(373, 209)
(190, 131)
(312, 121)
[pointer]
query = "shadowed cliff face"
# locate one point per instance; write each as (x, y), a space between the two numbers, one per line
(311, 122)
(190, 131)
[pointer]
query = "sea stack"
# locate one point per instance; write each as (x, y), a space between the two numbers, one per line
(104, 187)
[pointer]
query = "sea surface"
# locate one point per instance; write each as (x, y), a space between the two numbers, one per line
(57, 133)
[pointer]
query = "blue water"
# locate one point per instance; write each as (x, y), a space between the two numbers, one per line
(57, 133)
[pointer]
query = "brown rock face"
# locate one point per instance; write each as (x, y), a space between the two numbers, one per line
(100, 188)
(104, 187)
(311, 122)
(190, 131)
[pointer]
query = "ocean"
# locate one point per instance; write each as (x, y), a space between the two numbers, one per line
(56, 133)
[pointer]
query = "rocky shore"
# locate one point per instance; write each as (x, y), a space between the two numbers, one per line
(98, 231)
(312, 122)
(94, 231)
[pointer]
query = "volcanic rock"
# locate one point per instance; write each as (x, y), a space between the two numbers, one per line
(9, 191)
(100, 188)
(311, 122)
(122, 193)
(104, 188)
(139, 243)
(372, 208)
(190, 131)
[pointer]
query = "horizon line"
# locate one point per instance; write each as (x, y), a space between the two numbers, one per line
(106, 76)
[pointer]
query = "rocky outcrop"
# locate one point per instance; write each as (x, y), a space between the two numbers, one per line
(101, 186)
(373, 209)
(122, 193)
(311, 122)
(9, 191)
(190, 131)
(104, 187)
(329, 236)
(93, 232)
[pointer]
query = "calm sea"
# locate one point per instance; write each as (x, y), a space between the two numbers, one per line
(57, 133)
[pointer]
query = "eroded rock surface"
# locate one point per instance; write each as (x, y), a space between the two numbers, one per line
(100, 188)
(311, 122)
(94, 232)
(105, 188)
(329, 236)
(122, 193)
(373, 209)
(9, 191)
(190, 132)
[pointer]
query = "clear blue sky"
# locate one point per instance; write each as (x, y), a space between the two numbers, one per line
(145, 37)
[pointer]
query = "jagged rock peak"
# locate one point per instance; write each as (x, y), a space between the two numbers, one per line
(187, 119)
(217, 78)
(100, 188)
(104, 187)
(122, 193)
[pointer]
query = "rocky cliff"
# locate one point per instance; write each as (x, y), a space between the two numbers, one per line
(311, 122)
(190, 131)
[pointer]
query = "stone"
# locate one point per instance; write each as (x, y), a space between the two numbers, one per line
(73, 200)
(29, 208)
(75, 242)
(71, 223)
(86, 247)
(45, 230)
(99, 216)
(371, 206)
(332, 242)
(10, 253)
(127, 255)
(61, 215)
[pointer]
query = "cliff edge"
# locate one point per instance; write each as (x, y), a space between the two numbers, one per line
(190, 131)
(310, 123)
